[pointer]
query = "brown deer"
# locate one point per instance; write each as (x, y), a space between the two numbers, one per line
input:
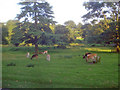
(92, 56)
(33, 56)
(86, 54)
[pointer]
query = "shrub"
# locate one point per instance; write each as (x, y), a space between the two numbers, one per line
(16, 44)
(30, 65)
(61, 46)
(11, 64)
(78, 41)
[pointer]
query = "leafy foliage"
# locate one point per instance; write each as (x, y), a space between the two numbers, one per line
(106, 10)
(110, 12)
(11, 24)
(4, 33)
(62, 33)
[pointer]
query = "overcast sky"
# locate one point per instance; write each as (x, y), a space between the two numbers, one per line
(64, 10)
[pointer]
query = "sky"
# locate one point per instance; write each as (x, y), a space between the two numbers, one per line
(64, 10)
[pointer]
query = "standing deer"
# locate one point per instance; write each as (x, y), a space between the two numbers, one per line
(48, 57)
(28, 55)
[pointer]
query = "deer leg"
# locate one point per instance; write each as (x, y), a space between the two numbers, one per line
(87, 60)
(36, 57)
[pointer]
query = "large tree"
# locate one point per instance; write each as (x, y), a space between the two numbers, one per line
(38, 16)
(109, 11)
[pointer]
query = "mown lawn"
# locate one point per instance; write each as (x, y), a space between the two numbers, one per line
(67, 69)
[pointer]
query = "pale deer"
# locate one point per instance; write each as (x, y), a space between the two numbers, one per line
(48, 57)
(45, 52)
(28, 55)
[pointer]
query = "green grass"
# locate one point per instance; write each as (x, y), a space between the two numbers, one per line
(67, 69)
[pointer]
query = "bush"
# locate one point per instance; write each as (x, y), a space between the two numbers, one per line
(94, 39)
(78, 41)
(61, 46)
(30, 65)
(16, 44)
(93, 45)
(11, 64)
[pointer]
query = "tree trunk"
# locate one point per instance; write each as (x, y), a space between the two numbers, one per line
(117, 30)
(118, 49)
(36, 48)
(118, 44)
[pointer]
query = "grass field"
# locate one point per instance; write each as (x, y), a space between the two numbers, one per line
(67, 69)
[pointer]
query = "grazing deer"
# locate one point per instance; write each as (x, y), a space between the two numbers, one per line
(33, 56)
(86, 54)
(28, 55)
(48, 57)
(92, 56)
(45, 52)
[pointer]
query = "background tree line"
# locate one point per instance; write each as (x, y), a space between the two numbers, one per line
(17, 32)
(38, 26)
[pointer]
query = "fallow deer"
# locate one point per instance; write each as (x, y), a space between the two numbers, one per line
(28, 55)
(86, 54)
(33, 56)
(92, 56)
(48, 57)
(45, 52)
